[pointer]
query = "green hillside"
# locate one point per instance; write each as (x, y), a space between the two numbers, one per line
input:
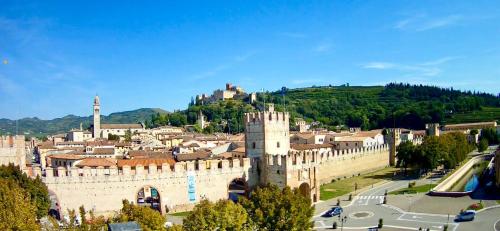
(37, 127)
(401, 105)
(332, 107)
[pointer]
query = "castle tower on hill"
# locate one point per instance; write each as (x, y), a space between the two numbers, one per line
(97, 117)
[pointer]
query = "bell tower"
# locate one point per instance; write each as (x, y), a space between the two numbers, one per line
(97, 118)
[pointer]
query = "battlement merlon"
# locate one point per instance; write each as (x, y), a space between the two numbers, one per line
(179, 169)
(266, 116)
(308, 157)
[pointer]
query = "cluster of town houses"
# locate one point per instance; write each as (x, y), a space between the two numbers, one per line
(168, 144)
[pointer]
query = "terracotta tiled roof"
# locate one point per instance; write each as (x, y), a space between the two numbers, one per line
(66, 157)
(371, 133)
(123, 144)
(121, 126)
(309, 146)
(99, 143)
(240, 149)
(149, 154)
(146, 162)
(193, 156)
(352, 139)
(103, 151)
(305, 135)
(70, 143)
(470, 125)
(96, 162)
(46, 145)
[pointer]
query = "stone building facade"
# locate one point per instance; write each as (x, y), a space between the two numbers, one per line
(13, 151)
(180, 186)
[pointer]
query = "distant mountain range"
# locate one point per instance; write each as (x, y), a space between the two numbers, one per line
(37, 127)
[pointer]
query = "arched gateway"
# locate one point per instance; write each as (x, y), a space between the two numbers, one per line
(149, 196)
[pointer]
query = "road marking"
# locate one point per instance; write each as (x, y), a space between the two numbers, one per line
(431, 222)
(495, 225)
(370, 214)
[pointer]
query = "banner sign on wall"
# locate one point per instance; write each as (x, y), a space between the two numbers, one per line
(191, 182)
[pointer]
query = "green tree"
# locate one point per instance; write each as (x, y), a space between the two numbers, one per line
(405, 154)
(113, 137)
(490, 135)
(35, 188)
(483, 145)
(223, 215)
(128, 135)
(148, 218)
(271, 208)
(17, 211)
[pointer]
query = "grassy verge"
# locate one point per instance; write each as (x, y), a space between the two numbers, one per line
(455, 169)
(345, 186)
(417, 189)
(181, 214)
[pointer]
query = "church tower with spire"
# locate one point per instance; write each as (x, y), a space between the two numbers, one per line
(97, 118)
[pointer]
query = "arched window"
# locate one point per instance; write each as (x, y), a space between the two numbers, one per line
(278, 144)
(253, 145)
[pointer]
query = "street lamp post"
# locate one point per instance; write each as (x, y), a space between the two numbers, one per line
(342, 221)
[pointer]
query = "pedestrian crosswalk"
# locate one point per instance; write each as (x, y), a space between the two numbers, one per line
(379, 198)
(369, 197)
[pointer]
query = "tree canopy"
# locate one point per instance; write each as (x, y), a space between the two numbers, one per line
(148, 218)
(35, 188)
(448, 150)
(271, 208)
(17, 210)
(223, 215)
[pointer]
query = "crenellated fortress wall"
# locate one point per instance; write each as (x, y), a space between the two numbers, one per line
(104, 189)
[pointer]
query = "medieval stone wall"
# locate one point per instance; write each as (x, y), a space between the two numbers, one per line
(104, 189)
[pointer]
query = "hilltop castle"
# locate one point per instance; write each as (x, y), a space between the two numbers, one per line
(179, 186)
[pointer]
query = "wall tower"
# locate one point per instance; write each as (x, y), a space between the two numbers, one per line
(266, 133)
(97, 117)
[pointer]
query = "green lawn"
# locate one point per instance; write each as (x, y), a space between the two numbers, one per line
(417, 189)
(345, 186)
(181, 214)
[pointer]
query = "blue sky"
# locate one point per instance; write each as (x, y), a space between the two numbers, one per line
(57, 55)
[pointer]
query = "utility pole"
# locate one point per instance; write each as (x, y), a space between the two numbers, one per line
(264, 97)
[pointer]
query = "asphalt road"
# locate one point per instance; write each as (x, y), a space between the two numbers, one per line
(365, 210)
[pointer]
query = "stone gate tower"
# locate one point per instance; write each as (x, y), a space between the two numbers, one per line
(97, 118)
(267, 133)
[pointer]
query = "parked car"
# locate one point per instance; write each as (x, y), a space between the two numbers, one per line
(467, 215)
(333, 212)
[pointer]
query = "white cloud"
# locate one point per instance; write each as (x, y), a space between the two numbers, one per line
(440, 22)
(421, 22)
(217, 69)
(323, 47)
(378, 65)
(427, 69)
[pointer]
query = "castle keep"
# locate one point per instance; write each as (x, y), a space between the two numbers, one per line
(179, 186)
